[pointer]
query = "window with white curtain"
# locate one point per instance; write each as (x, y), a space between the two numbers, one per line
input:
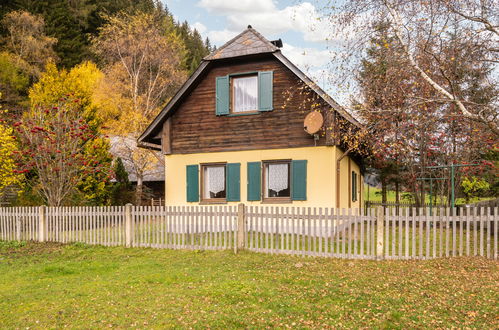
(214, 182)
(245, 94)
(277, 180)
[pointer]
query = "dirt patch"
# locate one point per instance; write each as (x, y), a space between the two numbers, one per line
(11, 250)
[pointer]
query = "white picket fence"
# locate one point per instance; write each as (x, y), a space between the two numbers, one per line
(351, 233)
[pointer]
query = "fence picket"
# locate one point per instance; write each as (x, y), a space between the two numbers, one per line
(427, 224)
(468, 229)
(461, 231)
(482, 225)
(475, 231)
(434, 225)
(496, 232)
(487, 228)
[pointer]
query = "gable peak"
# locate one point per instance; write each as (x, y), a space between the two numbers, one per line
(248, 42)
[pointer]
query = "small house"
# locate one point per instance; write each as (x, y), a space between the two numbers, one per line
(234, 133)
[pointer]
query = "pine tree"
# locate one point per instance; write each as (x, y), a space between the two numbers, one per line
(122, 192)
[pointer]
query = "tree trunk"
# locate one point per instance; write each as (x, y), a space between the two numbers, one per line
(422, 195)
(383, 190)
(397, 194)
(139, 189)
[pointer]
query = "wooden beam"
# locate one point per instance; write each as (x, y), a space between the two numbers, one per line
(166, 140)
(331, 127)
(349, 183)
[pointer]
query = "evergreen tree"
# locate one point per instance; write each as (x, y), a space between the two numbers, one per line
(196, 48)
(122, 192)
(73, 22)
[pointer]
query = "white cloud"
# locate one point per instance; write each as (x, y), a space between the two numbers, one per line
(264, 16)
(271, 21)
(200, 27)
(306, 58)
(237, 6)
(220, 37)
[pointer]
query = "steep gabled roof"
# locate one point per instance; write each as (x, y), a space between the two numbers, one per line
(249, 42)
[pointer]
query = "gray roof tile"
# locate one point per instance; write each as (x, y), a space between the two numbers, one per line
(246, 43)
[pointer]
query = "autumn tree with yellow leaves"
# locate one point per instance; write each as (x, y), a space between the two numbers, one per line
(27, 42)
(63, 144)
(8, 148)
(143, 65)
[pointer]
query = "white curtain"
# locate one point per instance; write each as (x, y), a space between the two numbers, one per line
(245, 94)
(277, 177)
(214, 180)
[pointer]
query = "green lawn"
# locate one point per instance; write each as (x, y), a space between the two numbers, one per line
(374, 195)
(76, 286)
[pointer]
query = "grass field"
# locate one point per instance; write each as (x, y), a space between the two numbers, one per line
(77, 286)
(374, 195)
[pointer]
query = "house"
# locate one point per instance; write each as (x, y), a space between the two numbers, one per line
(234, 132)
(141, 165)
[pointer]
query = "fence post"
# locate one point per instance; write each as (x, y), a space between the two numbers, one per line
(18, 229)
(241, 227)
(128, 225)
(42, 221)
(380, 222)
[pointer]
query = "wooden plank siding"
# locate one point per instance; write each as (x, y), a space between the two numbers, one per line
(195, 127)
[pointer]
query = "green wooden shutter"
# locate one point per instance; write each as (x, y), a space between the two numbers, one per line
(354, 186)
(254, 181)
(222, 96)
(299, 180)
(265, 90)
(233, 179)
(192, 183)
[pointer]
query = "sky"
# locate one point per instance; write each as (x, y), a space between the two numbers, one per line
(304, 36)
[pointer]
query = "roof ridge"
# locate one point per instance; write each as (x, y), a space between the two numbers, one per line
(267, 46)
(225, 44)
(261, 37)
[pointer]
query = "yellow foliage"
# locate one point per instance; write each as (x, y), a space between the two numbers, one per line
(7, 164)
(144, 57)
(81, 81)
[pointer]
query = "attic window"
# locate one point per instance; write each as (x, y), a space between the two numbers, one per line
(244, 94)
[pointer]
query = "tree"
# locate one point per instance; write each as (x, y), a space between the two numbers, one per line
(472, 186)
(383, 106)
(424, 29)
(138, 160)
(80, 83)
(96, 189)
(28, 42)
(121, 192)
(195, 47)
(8, 149)
(14, 81)
(53, 140)
(143, 58)
(72, 22)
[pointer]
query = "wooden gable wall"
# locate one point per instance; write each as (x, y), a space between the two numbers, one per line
(195, 128)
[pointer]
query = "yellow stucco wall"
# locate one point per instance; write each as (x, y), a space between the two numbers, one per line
(321, 174)
(345, 182)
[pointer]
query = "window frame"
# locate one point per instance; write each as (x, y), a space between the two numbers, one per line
(354, 186)
(232, 96)
(288, 199)
(202, 185)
